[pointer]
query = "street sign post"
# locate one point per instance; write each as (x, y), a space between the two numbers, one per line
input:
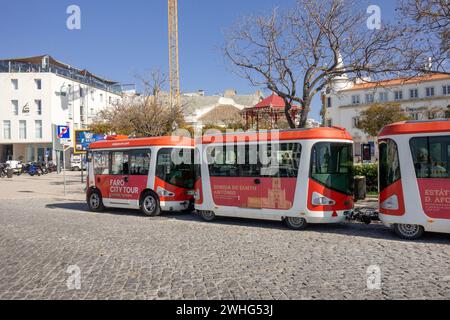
(62, 142)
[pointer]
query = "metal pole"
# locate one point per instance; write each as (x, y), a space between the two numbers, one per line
(64, 170)
(82, 168)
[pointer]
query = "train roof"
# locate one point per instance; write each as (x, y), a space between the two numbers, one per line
(143, 142)
(283, 135)
(414, 127)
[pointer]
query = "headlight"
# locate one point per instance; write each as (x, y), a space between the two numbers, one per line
(391, 203)
(320, 200)
(164, 193)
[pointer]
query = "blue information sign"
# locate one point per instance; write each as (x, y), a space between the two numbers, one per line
(83, 138)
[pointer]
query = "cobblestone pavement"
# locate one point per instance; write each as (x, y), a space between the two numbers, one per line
(123, 255)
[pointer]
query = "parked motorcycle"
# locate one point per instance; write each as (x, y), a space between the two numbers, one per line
(34, 170)
(3, 170)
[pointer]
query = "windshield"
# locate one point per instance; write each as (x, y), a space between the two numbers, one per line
(389, 163)
(332, 166)
(177, 174)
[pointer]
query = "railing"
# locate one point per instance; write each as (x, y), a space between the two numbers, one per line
(10, 66)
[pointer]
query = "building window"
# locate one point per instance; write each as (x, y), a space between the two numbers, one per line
(369, 98)
(82, 118)
(22, 129)
(398, 95)
(429, 91)
(38, 104)
(81, 92)
(7, 129)
(446, 90)
(15, 107)
(383, 96)
(356, 99)
(110, 100)
(38, 129)
(101, 97)
(15, 84)
(329, 105)
(355, 122)
(38, 83)
(414, 93)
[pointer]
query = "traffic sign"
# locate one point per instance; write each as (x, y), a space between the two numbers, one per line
(63, 132)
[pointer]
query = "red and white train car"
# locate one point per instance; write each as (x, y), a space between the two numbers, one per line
(150, 174)
(296, 176)
(414, 172)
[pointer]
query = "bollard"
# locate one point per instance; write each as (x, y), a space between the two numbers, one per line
(360, 188)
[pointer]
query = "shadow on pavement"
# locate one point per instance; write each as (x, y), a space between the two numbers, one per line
(373, 231)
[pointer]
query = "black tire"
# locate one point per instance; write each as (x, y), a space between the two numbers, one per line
(409, 231)
(150, 205)
(208, 216)
(95, 201)
(296, 223)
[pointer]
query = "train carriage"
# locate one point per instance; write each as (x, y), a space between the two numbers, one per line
(297, 176)
(414, 177)
(151, 174)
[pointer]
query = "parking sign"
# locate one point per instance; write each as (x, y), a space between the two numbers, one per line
(63, 132)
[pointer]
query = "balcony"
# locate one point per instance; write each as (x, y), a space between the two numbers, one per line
(20, 67)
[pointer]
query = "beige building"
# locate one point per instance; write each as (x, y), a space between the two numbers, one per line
(422, 97)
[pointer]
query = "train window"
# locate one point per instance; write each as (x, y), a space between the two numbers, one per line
(119, 163)
(431, 156)
(389, 163)
(101, 163)
(283, 160)
(332, 166)
(177, 174)
(139, 162)
(251, 160)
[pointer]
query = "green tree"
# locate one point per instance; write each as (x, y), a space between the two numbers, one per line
(373, 119)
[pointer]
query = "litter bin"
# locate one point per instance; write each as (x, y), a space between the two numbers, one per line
(360, 188)
(9, 173)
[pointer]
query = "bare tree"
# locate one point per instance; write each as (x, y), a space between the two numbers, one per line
(148, 114)
(295, 53)
(427, 24)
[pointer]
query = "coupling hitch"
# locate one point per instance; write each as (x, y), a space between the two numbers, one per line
(364, 215)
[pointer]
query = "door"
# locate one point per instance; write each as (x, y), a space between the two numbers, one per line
(100, 161)
(139, 169)
(120, 188)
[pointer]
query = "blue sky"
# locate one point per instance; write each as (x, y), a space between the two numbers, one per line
(120, 39)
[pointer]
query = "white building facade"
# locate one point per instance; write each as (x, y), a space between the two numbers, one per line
(422, 97)
(38, 93)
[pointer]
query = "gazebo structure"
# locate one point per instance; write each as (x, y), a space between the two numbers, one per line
(272, 108)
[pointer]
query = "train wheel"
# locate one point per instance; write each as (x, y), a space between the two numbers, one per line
(208, 216)
(409, 231)
(150, 205)
(95, 201)
(296, 223)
